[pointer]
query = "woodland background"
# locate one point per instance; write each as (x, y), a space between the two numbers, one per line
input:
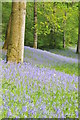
(55, 22)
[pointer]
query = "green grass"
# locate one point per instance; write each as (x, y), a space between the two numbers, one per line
(67, 68)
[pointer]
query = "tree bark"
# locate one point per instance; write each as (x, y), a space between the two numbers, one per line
(64, 32)
(15, 50)
(53, 28)
(78, 43)
(7, 36)
(35, 24)
(64, 39)
(54, 12)
(64, 22)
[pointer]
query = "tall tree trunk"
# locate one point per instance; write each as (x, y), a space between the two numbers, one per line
(53, 28)
(35, 24)
(54, 12)
(15, 50)
(64, 32)
(63, 39)
(78, 43)
(7, 36)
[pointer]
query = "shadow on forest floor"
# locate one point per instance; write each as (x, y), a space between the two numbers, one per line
(68, 52)
(43, 58)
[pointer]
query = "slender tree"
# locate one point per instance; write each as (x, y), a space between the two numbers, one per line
(53, 27)
(7, 35)
(15, 50)
(64, 30)
(78, 43)
(64, 22)
(35, 24)
(54, 12)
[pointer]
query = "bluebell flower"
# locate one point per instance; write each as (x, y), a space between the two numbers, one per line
(27, 80)
(24, 108)
(9, 113)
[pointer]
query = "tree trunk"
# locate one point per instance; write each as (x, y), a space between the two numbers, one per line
(53, 28)
(64, 39)
(15, 50)
(78, 43)
(7, 36)
(35, 24)
(54, 12)
(64, 32)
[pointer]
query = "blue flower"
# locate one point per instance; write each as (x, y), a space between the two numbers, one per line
(24, 108)
(9, 113)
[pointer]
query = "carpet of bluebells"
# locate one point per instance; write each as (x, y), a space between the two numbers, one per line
(45, 57)
(68, 52)
(38, 92)
(58, 62)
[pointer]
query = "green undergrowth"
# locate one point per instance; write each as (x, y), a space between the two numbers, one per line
(67, 68)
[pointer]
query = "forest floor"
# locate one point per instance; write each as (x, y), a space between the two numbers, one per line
(68, 52)
(44, 86)
(59, 59)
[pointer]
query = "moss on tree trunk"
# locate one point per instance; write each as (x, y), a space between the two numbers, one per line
(15, 50)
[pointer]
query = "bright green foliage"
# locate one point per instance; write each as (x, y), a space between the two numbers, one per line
(6, 11)
(29, 32)
(50, 27)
